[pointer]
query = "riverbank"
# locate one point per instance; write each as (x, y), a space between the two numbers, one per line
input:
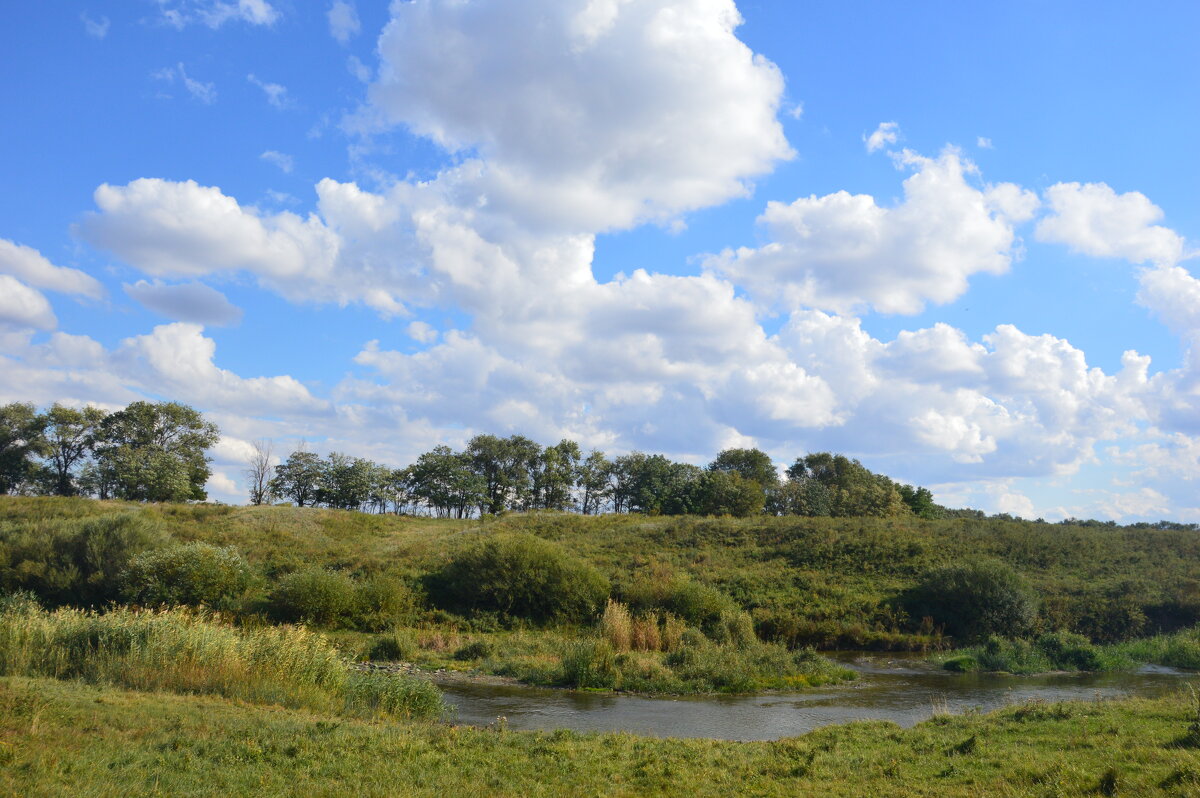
(138, 743)
(1068, 653)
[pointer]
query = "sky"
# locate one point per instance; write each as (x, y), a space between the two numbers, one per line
(957, 242)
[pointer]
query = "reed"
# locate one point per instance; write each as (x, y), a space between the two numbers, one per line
(616, 626)
(196, 652)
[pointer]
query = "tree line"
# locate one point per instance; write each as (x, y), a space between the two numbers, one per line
(493, 475)
(147, 451)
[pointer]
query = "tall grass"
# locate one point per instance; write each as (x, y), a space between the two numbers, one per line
(193, 651)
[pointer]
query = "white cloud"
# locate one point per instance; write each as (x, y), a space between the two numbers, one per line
(984, 143)
(33, 268)
(215, 13)
(614, 113)
(358, 69)
(279, 159)
(844, 252)
(1095, 220)
(343, 21)
(277, 95)
(96, 28)
(887, 133)
(191, 302)
(421, 332)
(204, 92)
(22, 306)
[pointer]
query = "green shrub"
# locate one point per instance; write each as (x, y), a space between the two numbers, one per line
(696, 603)
(735, 629)
(589, 663)
(193, 574)
(77, 561)
(316, 596)
(476, 649)
(396, 646)
(961, 664)
(974, 599)
(381, 602)
(520, 576)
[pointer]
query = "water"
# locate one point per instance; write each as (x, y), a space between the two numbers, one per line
(901, 689)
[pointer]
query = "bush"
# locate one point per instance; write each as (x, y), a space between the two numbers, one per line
(589, 663)
(392, 647)
(696, 603)
(315, 596)
(974, 599)
(381, 602)
(520, 576)
(193, 574)
(77, 561)
(476, 649)
(616, 626)
(735, 629)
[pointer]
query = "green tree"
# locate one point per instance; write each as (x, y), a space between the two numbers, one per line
(345, 482)
(298, 478)
(70, 435)
(156, 451)
(594, 480)
(21, 439)
(853, 489)
(446, 483)
(752, 464)
(555, 475)
(728, 493)
(506, 466)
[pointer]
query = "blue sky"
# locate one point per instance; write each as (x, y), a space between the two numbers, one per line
(927, 236)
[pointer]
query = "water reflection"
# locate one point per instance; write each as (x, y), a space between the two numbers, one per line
(901, 689)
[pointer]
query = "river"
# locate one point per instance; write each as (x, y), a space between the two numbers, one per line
(902, 689)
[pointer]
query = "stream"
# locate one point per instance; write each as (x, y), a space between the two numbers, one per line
(901, 688)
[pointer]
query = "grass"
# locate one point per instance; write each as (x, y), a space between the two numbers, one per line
(66, 738)
(191, 652)
(1068, 652)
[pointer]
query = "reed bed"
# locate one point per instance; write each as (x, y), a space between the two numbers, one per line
(196, 652)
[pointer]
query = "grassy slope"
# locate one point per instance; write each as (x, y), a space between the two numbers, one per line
(832, 571)
(59, 738)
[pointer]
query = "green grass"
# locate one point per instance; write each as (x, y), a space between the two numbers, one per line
(805, 582)
(184, 651)
(1067, 652)
(65, 738)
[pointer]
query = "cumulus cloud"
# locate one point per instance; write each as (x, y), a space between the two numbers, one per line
(343, 21)
(844, 252)
(615, 113)
(1095, 220)
(30, 266)
(22, 306)
(192, 302)
(887, 133)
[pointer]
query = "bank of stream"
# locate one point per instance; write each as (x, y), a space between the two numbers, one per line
(903, 689)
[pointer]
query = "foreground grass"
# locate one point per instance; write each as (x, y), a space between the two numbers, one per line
(64, 738)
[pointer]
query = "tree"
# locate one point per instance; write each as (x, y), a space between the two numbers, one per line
(593, 478)
(298, 478)
(728, 493)
(156, 451)
(853, 490)
(445, 481)
(506, 467)
(260, 472)
(920, 501)
(751, 464)
(804, 496)
(345, 482)
(70, 435)
(21, 437)
(555, 475)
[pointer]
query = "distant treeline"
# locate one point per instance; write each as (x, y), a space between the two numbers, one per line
(493, 475)
(149, 451)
